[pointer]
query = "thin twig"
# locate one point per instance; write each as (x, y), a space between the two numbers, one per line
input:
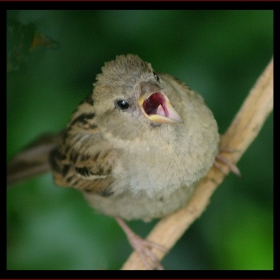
(243, 130)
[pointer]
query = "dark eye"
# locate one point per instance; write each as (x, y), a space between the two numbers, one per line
(156, 76)
(121, 104)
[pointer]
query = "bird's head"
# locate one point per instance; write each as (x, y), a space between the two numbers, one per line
(129, 98)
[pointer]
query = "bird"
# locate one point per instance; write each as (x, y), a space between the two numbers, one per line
(137, 146)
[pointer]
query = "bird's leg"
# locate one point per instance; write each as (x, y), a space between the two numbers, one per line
(219, 158)
(141, 246)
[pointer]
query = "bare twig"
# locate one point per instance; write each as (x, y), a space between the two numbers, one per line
(243, 130)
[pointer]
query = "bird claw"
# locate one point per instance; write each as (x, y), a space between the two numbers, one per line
(233, 168)
(142, 246)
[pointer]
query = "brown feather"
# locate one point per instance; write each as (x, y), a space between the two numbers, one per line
(32, 160)
(84, 160)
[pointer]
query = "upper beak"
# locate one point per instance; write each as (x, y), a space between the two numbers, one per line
(157, 108)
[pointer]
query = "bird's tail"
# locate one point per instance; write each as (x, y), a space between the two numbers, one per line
(33, 160)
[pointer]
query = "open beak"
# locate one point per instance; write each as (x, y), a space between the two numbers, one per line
(157, 108)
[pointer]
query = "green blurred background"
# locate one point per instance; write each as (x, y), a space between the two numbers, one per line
(220, 54)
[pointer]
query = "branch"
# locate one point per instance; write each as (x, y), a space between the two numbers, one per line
(241, 133)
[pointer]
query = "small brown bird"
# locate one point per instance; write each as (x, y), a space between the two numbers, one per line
(138, 145)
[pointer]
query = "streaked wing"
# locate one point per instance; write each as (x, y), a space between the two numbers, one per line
(84, 160)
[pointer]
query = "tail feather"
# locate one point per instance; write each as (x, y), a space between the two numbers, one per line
(33, 160)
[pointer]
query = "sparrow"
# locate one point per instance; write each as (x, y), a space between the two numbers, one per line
(136, 147)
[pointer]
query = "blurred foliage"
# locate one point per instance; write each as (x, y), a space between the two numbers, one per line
(21, 39)
(220, 54)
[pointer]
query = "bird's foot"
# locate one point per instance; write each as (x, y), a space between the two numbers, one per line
(219, 158)
(142, 246)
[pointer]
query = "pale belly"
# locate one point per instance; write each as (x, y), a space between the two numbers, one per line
(141, 206)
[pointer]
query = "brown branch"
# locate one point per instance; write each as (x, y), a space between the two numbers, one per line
(243, 130)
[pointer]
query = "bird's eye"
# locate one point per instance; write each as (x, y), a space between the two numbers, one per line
(156, 76)
(121, 104)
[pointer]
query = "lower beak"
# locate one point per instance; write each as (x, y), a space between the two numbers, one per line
(157, 108)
